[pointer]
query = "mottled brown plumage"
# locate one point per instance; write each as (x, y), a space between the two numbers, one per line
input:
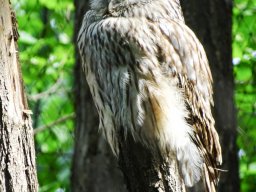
(149, 74)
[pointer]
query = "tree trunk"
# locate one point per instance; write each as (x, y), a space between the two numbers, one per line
(17, 155)
(147, 171)
(95, 169)
(212, 22)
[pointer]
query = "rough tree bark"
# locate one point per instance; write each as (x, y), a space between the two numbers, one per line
(17, 155)
(95, 169)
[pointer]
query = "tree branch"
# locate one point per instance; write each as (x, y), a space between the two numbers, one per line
(58, 121)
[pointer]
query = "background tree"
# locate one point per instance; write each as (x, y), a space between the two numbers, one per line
(17, 156)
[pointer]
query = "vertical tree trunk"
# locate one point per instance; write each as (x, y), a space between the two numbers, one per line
(212, 22)
(17, 155)
(95, 169)
(147, 171)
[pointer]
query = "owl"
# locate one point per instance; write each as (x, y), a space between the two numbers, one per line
(149, 76)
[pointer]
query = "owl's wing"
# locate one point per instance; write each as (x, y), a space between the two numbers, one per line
(190, 66)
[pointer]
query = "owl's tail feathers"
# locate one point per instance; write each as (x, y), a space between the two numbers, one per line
(209, 182)
(190, 163)
(211, 176)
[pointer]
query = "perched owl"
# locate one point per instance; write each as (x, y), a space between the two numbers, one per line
(149, 75)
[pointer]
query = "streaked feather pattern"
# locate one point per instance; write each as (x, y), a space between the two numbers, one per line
(149, 74)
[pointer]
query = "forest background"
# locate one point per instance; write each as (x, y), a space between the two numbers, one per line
(47, 57)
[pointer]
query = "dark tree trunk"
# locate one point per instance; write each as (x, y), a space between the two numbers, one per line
(147, 171)
(17, 155)
(94, 167)
(212, 22)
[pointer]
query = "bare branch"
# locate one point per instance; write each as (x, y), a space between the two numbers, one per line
(46, 93)
(58, 121)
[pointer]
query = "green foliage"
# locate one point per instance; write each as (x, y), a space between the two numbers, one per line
(244, 53)
(47, 57)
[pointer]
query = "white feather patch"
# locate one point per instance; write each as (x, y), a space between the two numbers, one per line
(174, 132)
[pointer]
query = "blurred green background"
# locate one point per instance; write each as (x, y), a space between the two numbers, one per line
(47, 58)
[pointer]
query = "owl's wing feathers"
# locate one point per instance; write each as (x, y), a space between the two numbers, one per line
(195, 77)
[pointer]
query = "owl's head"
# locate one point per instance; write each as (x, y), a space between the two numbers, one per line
(114, 4)
(103, 4)
(99, 4)
(153, 9)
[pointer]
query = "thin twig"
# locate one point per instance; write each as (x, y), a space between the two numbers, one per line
(58, 121)
(46, 93)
